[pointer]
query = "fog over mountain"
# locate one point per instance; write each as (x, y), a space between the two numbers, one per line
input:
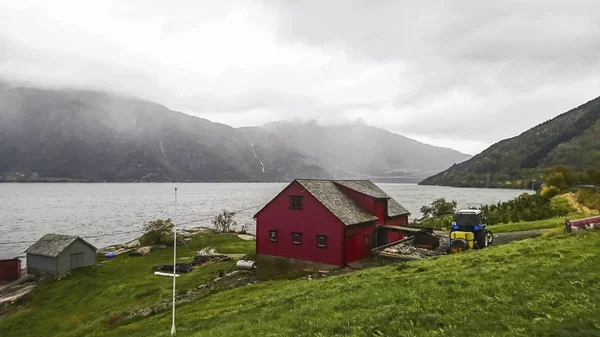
(457, 74)
(353, 148)
(49, 135)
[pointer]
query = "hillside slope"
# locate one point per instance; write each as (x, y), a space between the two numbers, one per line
(356, 149)
(546, 286)
(92, 136)
(571, 139)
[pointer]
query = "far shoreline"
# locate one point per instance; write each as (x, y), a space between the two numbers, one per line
(244, 182)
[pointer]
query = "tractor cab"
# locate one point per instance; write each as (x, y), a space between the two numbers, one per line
(468, 231)
(469, 220)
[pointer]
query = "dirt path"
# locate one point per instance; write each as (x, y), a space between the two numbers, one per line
(572, 199)
(504, 238)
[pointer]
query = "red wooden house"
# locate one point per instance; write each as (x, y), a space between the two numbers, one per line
(324, 224)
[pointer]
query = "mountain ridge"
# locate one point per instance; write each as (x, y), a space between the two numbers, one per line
(103, 137)
(359, 148)
(79, 135)
(569, 139)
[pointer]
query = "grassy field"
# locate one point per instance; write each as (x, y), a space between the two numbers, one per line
(531, 225)
(590, 199)
(559, 202)
(548, 286)
(79, 304)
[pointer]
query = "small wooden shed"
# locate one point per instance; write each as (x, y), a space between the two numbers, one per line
(56, 254)
(10, 269)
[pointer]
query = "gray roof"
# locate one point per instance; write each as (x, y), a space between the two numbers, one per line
(53, 244)
(336, 201)
(395, 209)
(369, 188)
(365, 187)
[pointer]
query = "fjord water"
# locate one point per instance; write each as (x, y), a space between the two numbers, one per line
(97, 211)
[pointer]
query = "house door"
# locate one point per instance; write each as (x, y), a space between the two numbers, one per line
(352, 253)
(381, 237)
(76, 260)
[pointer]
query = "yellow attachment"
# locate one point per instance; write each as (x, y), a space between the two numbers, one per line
(467, 236)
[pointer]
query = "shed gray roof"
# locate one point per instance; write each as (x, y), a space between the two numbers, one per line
(336, 201)
(369, 188)
(53, 244)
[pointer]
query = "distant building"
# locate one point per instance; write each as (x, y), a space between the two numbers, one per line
(324, 225)
(10, 269)
(56, 254)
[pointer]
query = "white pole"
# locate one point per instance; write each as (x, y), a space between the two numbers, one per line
(174, 260)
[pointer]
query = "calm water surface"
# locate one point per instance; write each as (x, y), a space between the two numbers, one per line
(28, 211)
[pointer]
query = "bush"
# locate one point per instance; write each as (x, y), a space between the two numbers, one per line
(556, 179)
(526, 207)
(224, 222)
(550, 191)
(441, 223)
(158, 232)
(564, 178)
(249, 257)
(561, 205)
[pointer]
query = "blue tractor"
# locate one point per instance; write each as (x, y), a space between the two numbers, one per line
(469, 232)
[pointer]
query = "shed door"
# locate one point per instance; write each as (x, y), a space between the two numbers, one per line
(76, 260)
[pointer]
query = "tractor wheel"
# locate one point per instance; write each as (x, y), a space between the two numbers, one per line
(480, 239)
(489, 236)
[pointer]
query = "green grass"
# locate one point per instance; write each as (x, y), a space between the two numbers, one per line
(558, 202)
(78, 304)
(589, 198)
(532, 225)
(547, 286)
(561, 203)
(540, 287)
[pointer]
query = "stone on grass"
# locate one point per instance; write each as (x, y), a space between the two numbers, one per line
(141, 251)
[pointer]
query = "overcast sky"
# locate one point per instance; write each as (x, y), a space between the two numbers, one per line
(461, 74)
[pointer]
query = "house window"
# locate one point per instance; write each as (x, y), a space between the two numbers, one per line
(295, 202)
(273, 236)
(367, 239)
(321, 241)
(297, 238)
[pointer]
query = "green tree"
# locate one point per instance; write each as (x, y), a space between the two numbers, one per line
(556, 179)
(560, 176)
(439, 207)
(594, 176)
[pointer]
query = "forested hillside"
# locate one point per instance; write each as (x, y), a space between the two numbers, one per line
(571, 139)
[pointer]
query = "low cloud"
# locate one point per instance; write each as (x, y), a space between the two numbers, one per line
(466, 73)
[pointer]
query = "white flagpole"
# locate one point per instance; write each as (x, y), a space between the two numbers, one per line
(174, 260)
